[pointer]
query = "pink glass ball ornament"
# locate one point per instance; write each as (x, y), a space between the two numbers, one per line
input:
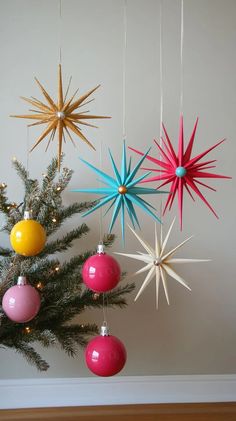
(105, 355)
(21, 302)
(101, 272)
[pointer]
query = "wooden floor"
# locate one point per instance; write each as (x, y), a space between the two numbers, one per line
(160, 412)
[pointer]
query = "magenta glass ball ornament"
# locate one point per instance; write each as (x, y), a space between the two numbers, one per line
(101, 272)
(21, 303)
(105, 355)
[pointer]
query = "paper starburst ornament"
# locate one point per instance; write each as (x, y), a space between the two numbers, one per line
(181, 170)
(122, 192)
(159, 263)
(61, 117)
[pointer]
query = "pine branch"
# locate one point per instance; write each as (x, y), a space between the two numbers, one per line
(71, 336)
(63, 296)
(21, 171)
(51, 173)
(108, 240)
(31, 356)
(65, 242)
(5, 205)
(113, 298)
(53, 220)
(5, 252)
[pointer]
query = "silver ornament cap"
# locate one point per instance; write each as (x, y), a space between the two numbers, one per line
(28, 215)
(104, 331)
(100, 248)
(22, 280)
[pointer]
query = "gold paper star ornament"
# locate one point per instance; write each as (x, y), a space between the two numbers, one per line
(63, 116)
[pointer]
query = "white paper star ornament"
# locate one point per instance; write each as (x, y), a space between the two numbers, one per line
(158, 262)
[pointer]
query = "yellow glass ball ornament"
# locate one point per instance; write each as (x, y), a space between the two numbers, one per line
(28, 237)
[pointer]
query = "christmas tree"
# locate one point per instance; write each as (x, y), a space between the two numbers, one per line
(63, 294)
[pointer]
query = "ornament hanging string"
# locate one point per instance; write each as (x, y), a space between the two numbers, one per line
(105, 299)
(59, 30)
(181, 57)
(99, 185)
(161, 74)
(27, 152)
(161, 87)
(104, 309)
(124, 67)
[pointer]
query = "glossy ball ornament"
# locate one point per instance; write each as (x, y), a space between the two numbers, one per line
(21, 302)
(101, 272)
(28, 237)
(105, 355)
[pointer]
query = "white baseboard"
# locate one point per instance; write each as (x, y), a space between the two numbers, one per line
(30, 393)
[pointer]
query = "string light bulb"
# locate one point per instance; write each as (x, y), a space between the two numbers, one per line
(39, 286)
(27, 329)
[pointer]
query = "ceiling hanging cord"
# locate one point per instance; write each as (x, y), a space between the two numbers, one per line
(181, 58)
(105, 297)
(124, 67)
(100, 210)
(160, 126)
(59, 30)
(161, 92)
(27, 152)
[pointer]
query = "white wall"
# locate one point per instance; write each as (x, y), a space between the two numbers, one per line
(196, 333)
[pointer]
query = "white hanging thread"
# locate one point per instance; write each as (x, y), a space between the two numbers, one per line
(161, 84)
(161, 74)
(124, 67)
(100, 209)
(104, 309)
(181, 58)
(27, 152)
(59, 29)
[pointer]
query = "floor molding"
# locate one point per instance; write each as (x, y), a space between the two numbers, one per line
(120, 390)
(146, 412)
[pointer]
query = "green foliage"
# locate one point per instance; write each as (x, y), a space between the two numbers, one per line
(63, 295)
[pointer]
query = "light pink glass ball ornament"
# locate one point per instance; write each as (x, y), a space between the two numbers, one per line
(101, 272)
(21, 303)
(105, 355)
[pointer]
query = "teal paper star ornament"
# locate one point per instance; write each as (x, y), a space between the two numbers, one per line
(122, 192)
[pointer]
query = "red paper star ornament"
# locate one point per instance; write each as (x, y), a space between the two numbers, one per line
(182, 171)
